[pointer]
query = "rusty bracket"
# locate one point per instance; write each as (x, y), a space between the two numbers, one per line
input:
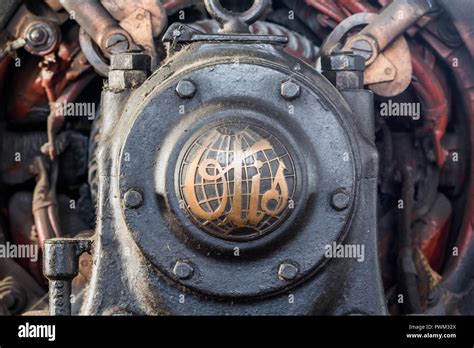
(388, 72)
(384, 29)
(99, 25)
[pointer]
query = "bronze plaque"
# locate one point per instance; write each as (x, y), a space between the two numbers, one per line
(237, 181)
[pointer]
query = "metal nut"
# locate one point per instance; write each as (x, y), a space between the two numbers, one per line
(183, 270)
(132, 199)
(131, 61)
(344, 80)
(340, 200)
(126, 79)
(287, 271)
(37, 35)
(186, 89)
(290, 90)
(42, 38)
(342, 62)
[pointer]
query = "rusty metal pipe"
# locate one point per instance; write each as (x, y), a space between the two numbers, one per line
(98, 24)
(356, 6)
(44, 200)
(327, 9)
(394, 20)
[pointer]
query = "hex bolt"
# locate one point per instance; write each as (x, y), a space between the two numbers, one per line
(132, 199)
(362, 48)
(340, 200)
(287, 271)
(37, 35)
(183, 270)
(344, 70)
(128, 70)
(290, 90)
(342, 61)
(186, 89)
(131, 61)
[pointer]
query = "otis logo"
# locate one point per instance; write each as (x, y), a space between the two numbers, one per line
(237, 182)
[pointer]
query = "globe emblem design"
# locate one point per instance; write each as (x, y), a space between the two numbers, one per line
(237, 182)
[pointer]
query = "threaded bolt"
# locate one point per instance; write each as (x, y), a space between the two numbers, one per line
(132, 199)
(186, 89)
(340, 200)
(183, 270)
(287, 271)
(290, 90)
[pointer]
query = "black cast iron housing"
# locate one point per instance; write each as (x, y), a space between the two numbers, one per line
(151, 258)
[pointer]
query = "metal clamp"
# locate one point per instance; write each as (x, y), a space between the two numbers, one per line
(236, 22)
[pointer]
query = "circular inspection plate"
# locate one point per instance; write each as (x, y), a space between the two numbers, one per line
(238, 183)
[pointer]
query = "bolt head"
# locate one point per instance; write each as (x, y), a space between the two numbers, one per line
(362, 48)
(287, 271)
(344, 80)
(130, 61)
(290, 90)
(116, 43)
(186, 89)
(126, 79)
(183, 270)
(133, 199)
(37, 36)
(340, 200)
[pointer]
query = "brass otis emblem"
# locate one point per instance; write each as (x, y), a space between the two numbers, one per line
(237, 181)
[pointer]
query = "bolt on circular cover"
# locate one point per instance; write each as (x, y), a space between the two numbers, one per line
(133, 199)
(186, 89)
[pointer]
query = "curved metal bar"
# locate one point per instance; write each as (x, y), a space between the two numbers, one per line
(224, 16)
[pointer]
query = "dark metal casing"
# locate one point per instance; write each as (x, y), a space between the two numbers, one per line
(151, 259)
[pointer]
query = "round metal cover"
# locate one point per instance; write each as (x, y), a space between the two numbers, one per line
(237, 181)
(231, 251)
